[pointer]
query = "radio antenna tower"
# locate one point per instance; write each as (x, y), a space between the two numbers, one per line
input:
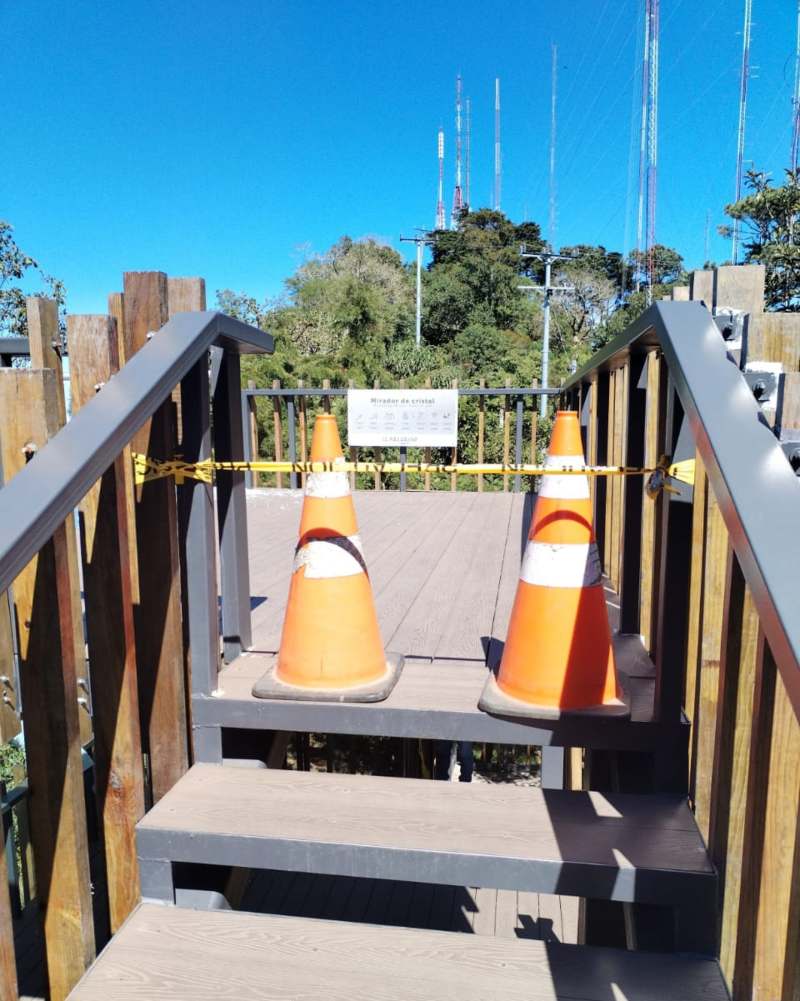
(458, 200)
(440, 222)
(497, 160)
(554, 80)
(745, 76)
(652, 148)
(796, 97)
(468, 153)
(643, 146)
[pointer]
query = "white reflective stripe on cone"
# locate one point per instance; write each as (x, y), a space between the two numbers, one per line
(327, 485)
(564, 487)
(561, 564)
(339, 556)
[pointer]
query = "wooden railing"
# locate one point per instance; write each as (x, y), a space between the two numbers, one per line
(496, 424)
(114, 616)
(709, 578)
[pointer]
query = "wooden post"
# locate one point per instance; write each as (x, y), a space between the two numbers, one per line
(506, 435)
(652, 438)
(277, 431)
(426, 454)
(9, 699)
(44, 339)
(252, 431)
(8, 965)
(326, 400)
(184, 295)
(43, 609)
(481, 431)
(159, 637)
(378, 451)
(454, 453)
(119, 776)
(116, 309)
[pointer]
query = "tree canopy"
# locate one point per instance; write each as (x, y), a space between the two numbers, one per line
(17, 266)
(771, 217)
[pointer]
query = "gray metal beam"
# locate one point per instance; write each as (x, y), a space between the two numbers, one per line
(42, 495)
(757, 490)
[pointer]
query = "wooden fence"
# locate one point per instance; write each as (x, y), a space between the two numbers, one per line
(684, 590)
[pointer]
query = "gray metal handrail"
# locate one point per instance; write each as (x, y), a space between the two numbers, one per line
(757, 491)
(42, 495)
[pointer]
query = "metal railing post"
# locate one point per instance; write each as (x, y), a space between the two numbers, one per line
(292, 433)
(518, 443)
(247, 451)
(631, 551)
(197, 542)
(231, 509)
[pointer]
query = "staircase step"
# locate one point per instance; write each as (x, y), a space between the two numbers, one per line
(438, 700)
(172, 954)
(588, 844)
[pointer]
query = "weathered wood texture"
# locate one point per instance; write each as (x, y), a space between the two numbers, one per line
(8, 965)
(650, 511)
(159, 638)
(29, 416)
(119, 777)
(171, 954)
(184, 295)
(116, 309)
(9, 697)
(44, 339)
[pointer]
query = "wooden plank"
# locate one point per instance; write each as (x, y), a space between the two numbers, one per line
(9, 697)
(43, 608)
(157, 617)
(119, 776)
(610, 436)
(426, 454)
(620, 429)
(176, 954)
(483, 921)
(637, 847)
(184, 295)
(505, 921)
(695, 614)
(705, 721)
(8, 966)
(44, 339)
(650, 509)
(116, 309)
(780, 878)
(738, 661)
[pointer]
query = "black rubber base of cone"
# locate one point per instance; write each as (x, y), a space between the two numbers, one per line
(270, 687)
(496, 702)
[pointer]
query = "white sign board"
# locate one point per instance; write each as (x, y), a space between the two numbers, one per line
(417, 417)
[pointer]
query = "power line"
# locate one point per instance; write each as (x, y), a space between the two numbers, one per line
(743, 80)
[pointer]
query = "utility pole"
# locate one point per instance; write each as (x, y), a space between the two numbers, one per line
(547, 257)
(740, 136)
(421, 242)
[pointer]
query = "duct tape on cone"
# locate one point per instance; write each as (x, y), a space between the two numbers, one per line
(271, 687)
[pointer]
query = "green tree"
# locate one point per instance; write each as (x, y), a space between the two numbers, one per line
(667, 265)
(16, 266)
(772, 219)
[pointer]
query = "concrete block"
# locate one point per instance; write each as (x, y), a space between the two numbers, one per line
(740, 287)
(680, 293)
(701, 287)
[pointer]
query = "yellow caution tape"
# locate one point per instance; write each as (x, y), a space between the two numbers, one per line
(147, 469)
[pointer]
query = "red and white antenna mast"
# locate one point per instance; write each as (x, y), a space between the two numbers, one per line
(467, 201)
(440, 221)
(458, 200)
(497, 159)
(640, 217)
(796, 97)
(652, 147)
(743, 80)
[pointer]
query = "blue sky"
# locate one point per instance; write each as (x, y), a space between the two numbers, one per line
(227, 139)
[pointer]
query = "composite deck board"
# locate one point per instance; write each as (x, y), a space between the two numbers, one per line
(172, 954)
(615, 846)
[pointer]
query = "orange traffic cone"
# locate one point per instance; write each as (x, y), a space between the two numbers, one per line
(331, 647)
(558, 658)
